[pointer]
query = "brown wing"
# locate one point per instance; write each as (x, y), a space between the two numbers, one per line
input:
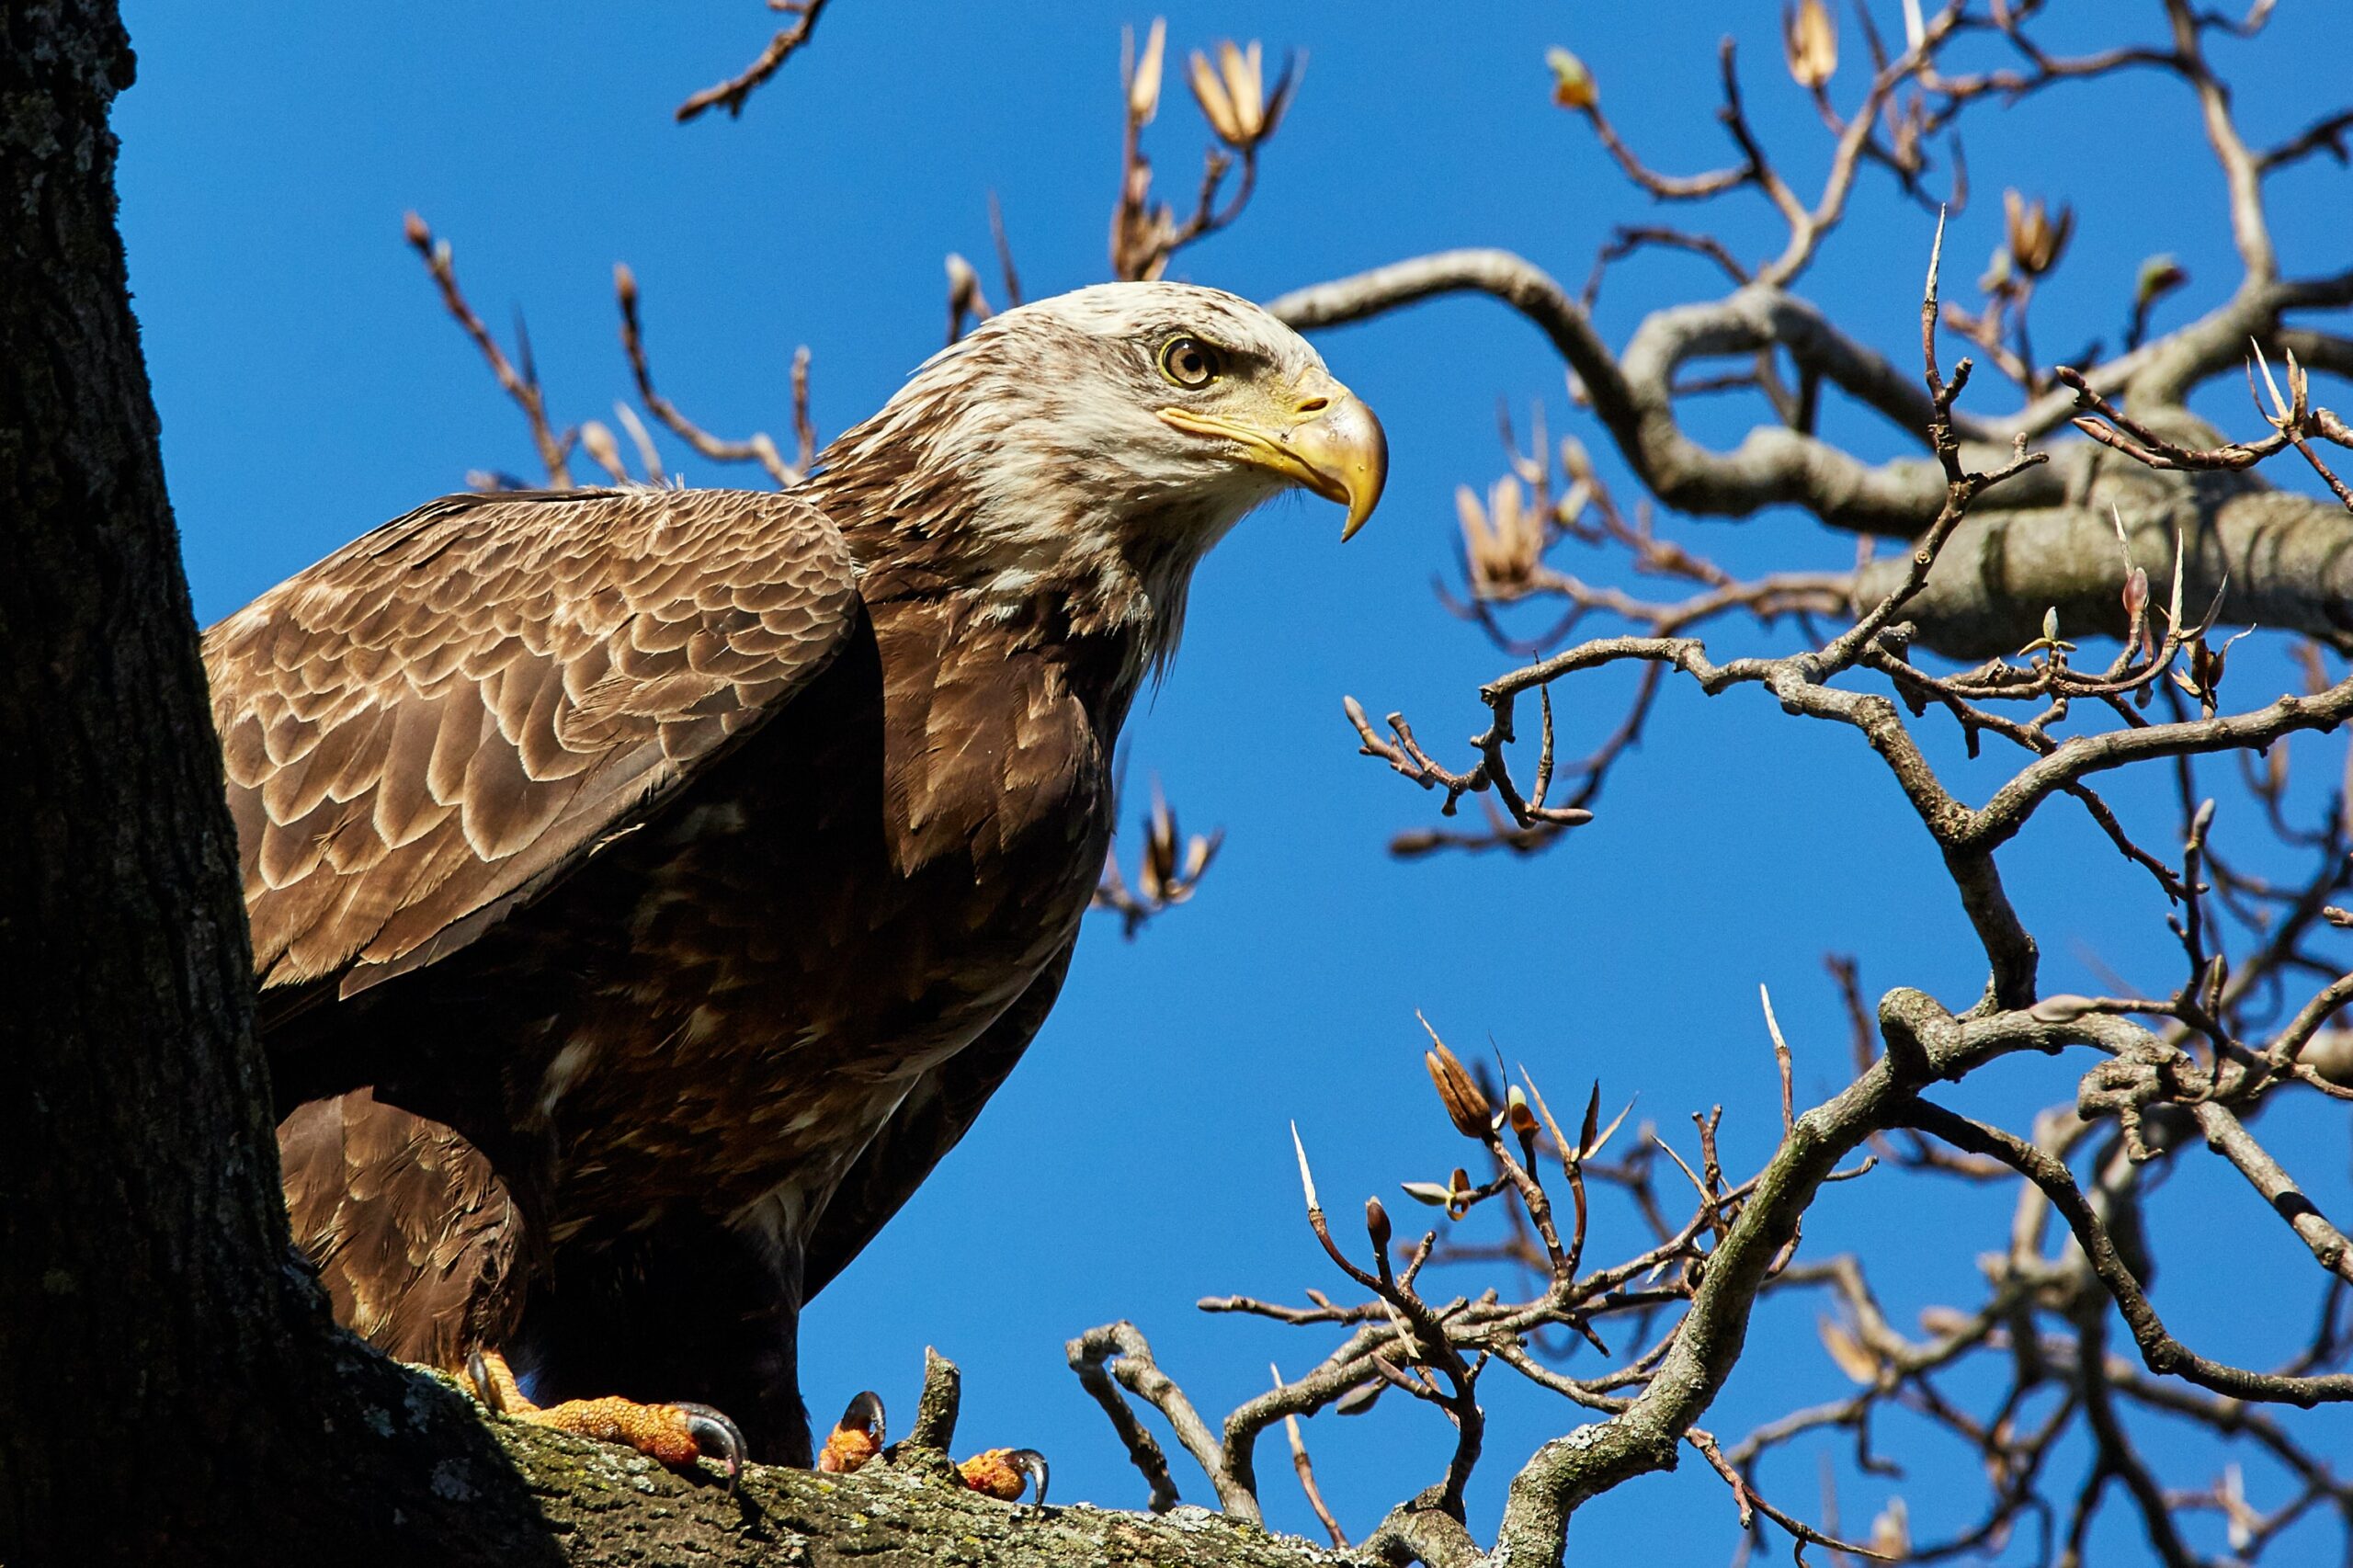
(930, 1122)
(438, 720)
(414, 1235)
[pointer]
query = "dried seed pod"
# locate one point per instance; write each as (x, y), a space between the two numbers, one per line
(1466, 1106)
(1852, 1357)
(2036, 238)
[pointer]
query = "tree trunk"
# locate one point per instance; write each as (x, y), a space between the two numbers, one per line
(171, 1387)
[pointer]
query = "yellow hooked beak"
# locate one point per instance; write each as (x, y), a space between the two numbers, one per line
(1327, 442)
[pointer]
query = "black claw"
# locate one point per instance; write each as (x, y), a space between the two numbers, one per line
(718, 1437)
(1032, 1463)
(864, 1414)
(478, 1373)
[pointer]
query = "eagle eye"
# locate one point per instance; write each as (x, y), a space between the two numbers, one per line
(1191, 363)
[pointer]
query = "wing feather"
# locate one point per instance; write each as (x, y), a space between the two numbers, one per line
(414, 1235)
(440, 720)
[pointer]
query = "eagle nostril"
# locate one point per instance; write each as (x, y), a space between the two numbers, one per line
(1315, 405)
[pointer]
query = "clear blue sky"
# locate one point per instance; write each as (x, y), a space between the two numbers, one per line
(311, 387)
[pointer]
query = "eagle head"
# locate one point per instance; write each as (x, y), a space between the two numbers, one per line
(1080, 454)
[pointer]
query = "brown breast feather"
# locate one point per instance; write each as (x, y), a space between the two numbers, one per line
(440, 720)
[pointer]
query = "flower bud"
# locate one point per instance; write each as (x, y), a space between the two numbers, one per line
(1572, 84)
(1375, 1224)
(605, 451)
(1810, 43)
(2160, 276)
(1143, 81)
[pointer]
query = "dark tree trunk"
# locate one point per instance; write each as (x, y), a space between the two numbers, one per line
(170, 1386)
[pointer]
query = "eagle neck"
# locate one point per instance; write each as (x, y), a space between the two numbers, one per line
(1096, 589)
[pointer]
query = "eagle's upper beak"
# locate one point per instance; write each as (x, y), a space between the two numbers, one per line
(1326, 441)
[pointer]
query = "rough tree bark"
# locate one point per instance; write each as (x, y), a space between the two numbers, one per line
(170, 1386)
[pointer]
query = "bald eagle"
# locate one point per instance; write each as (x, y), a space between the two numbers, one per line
(648, 886)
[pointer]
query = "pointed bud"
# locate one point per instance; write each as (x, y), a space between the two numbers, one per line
(2136, 594)
(1848, 1352)
(1891, 1533)
(1143, 81)
(1427, 1192)
(1945, 1319)
(2160, 276)
(1198, 852)
(1473, 515)
(1375, 1224)
(413, 228)
(2050, 624)
(602, 449)
(1306, 1177)
(1810, 43)
(1523, 1119)
(1158, 875)
(625, 285)
(1996, 276)
(1572, 84)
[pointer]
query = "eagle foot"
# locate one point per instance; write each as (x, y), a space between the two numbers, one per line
(674, 1434)
(857, 1438)
(999, 1473)
(861, 1437)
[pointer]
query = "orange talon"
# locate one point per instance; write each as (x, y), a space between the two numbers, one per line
(674, 1434)
(857, 1438)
